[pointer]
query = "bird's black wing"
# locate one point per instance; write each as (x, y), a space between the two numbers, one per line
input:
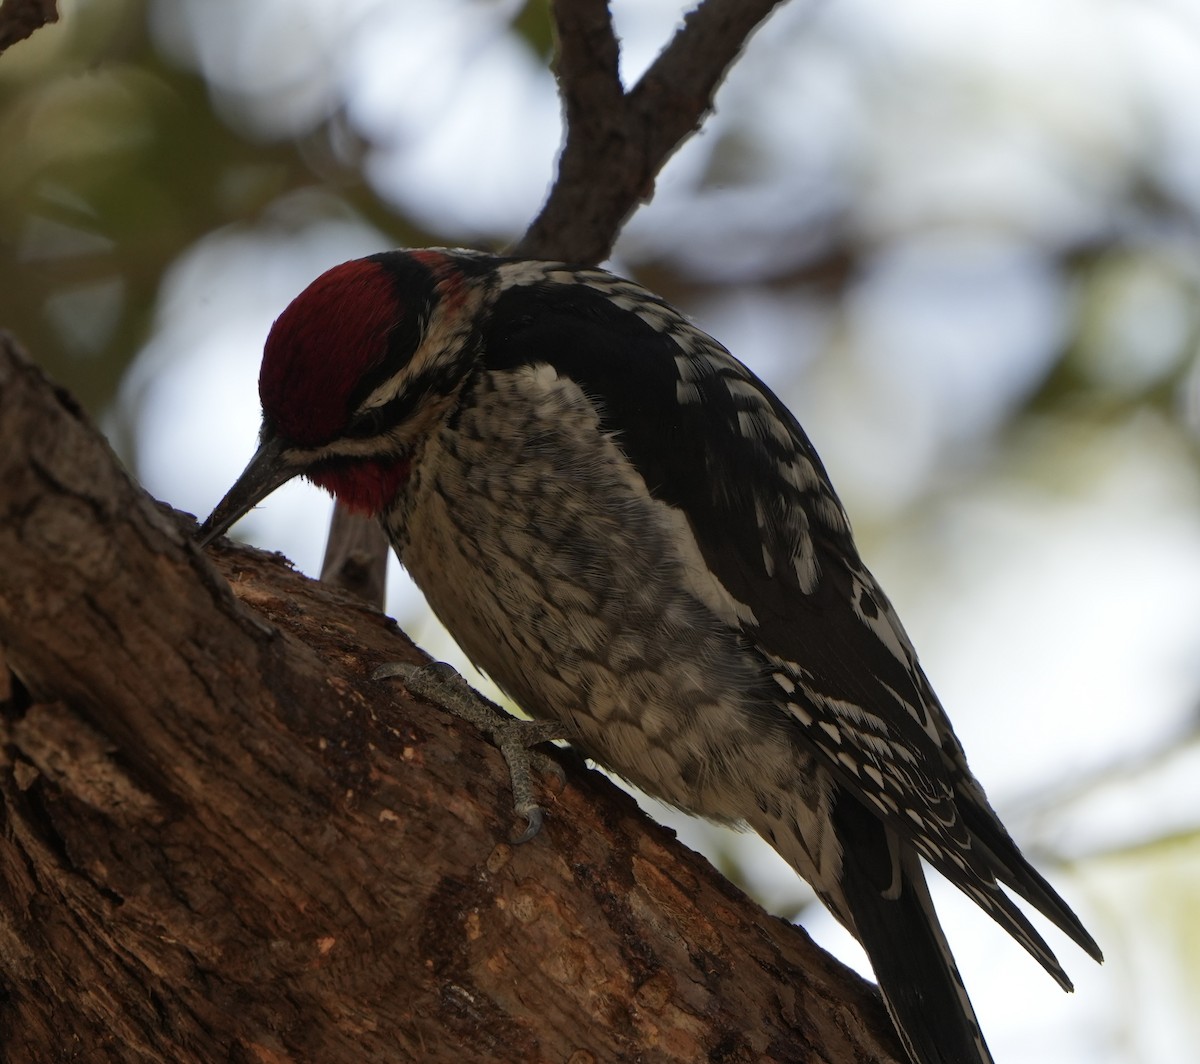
(712, 440)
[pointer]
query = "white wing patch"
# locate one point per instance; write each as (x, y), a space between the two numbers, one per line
(700, 579)
(871, 608)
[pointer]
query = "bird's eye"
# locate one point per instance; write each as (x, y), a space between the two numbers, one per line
(369, 423)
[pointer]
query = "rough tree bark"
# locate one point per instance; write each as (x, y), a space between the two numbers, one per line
(223, 841)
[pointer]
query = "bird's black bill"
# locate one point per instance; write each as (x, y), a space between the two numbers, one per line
(268, 470)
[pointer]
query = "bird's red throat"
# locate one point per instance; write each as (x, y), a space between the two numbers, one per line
(365, 487)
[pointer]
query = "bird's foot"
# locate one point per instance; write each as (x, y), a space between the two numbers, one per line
(440, 684)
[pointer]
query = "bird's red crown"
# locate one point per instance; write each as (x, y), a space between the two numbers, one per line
(322, 346)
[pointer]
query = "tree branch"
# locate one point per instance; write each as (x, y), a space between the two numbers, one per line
(356, 556)
(21, 18)
(673, 97)
(617, 142)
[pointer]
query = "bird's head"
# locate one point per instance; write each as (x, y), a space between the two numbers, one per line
(355, 371)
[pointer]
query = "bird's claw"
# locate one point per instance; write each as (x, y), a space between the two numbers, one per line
(439, 683)
(533, 817)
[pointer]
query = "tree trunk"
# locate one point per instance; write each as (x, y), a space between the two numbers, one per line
(224, 841)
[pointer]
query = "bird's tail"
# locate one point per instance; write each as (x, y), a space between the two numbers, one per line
(921, 986)
(882, 894)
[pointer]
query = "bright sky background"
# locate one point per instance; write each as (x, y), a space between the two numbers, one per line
(1052, 588)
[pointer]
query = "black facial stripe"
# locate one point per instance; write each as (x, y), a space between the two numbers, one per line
(417, 392)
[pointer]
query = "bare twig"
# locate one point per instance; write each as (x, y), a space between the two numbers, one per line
(356, 556)
(20, 18)
(617, 141)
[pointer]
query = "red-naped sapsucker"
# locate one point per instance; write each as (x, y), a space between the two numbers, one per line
(626, 529)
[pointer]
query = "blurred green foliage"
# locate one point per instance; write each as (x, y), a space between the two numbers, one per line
(113, 161)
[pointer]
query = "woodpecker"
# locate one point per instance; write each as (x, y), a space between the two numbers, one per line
(631, 534)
